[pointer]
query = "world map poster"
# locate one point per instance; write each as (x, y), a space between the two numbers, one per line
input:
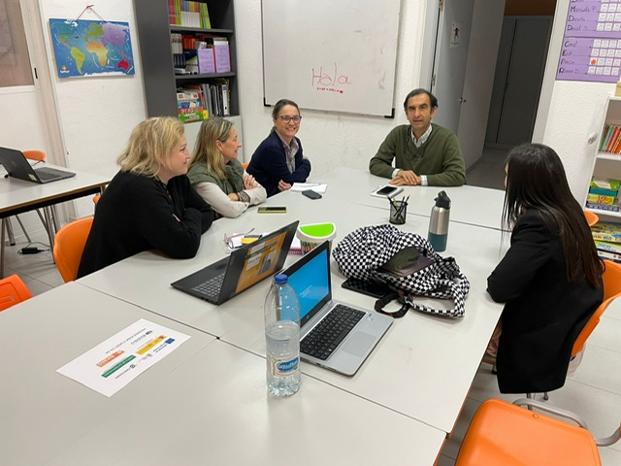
(86, 47)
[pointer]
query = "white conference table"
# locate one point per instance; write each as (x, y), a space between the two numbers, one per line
(469, 204)
(205, 403)
(422, 368)
(18, 196)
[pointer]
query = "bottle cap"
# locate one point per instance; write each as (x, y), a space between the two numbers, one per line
(281, 279)
(443, 200)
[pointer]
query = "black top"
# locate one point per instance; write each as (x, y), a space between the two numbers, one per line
(544, 312)
(268, 164)
(137, 213)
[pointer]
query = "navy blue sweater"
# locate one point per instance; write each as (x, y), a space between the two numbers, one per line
(269, 164)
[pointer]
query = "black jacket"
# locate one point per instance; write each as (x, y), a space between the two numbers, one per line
(268, 164)
(137, 213)
(543, 313)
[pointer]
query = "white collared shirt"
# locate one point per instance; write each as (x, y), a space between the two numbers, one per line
(418, 143)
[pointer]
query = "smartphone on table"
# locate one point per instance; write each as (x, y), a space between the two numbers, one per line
(273, 209)
(311, 194)
(387, 191)
(369, 288)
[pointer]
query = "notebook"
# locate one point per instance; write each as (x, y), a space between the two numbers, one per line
(244, 267)
(333, 334)
(17, 166)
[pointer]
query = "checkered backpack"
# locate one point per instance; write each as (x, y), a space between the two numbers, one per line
(361, 253)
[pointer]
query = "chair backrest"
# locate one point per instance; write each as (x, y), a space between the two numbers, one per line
(96, 198)
(612, 290)
(12, 291)
(68, 247)
(245, 165)
(35, 155)
(591, 218)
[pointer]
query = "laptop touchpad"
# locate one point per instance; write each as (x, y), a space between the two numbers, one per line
(359, 344)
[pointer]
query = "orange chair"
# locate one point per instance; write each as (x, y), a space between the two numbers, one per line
(96, 198)
(591, 218)
(612, 290)
(37, 155)
(12, 291)
(245, 165)
(505, 434)
(69, 245)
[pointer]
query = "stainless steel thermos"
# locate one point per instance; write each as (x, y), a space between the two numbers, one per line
(439, 222)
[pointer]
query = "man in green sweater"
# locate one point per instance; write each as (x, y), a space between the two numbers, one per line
(424, 153)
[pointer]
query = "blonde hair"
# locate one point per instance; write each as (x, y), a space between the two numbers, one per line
(206, 151)
(150, 145)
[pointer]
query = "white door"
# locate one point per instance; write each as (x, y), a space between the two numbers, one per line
(22, 118)
(451, 56)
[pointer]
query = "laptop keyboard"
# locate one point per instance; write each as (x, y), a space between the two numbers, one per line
(322, 340)
(49, 173)
(211, 288)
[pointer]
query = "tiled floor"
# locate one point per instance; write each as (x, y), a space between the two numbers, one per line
(593, 392)
(489, 170)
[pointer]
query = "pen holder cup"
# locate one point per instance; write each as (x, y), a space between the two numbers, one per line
(398, 211)
(314, 234)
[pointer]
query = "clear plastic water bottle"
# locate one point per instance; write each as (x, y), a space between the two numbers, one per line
(282, 338)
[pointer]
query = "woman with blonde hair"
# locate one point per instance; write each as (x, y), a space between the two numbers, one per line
(149, 204)
(217, 175)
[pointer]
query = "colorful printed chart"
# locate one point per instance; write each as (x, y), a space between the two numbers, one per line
(85, 47)
(591, 49)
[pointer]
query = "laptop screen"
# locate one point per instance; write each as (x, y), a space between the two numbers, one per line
(311, 282)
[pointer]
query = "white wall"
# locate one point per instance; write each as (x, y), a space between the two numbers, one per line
(570, 113)
(487, 17)
(96, 114)
(329, 139)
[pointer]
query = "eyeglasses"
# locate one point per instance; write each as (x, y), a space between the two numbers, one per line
(287, 118)
(230, 239)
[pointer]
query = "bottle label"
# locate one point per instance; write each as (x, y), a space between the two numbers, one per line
(285, 367)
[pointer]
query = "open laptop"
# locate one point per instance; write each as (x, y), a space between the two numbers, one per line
(17, 166)
(244, 267)
(333, 335)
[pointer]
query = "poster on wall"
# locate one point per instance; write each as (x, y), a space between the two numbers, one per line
(591, 49)
(85, 48)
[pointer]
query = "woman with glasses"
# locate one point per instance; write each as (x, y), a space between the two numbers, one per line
(279, 162)
(217, 175)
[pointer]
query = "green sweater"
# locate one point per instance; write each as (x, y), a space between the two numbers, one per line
(233, 183)
(439, 158)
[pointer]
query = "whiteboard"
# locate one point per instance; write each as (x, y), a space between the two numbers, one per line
(335, 55)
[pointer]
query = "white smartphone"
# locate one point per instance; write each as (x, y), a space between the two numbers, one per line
(387, 191)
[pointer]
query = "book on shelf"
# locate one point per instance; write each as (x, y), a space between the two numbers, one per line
(222, 54)
(609, 187)
(188, 14)
(190, 105)
(206, 62)
(601, 199)
(606, 232)
(611, 256)
(603, 207)
(211, 98)
(608, 246)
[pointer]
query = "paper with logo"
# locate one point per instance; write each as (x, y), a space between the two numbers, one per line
(114, 363)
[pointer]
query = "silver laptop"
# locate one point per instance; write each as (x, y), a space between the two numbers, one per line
(333, 335)
(17, 166)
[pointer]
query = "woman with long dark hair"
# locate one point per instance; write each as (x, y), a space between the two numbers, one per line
(550, 278)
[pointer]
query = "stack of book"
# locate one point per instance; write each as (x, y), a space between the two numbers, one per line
(189, 14)
(607, 238)
(197, 101)
(205, 54)
(190, 106)
(611, 142)
(603, 195)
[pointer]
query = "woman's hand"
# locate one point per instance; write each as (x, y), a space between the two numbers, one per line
(233, 197)
(283, 186)
(250, 182)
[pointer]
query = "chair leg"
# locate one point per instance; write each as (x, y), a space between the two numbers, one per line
(2, 228)
(9, 230)
(19, 220)
(545, 396)
(48, 223)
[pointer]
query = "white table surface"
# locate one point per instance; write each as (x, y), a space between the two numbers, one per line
(15, 193)
(469, 204)
(205, 403)
(422, 368)
(44, 412)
